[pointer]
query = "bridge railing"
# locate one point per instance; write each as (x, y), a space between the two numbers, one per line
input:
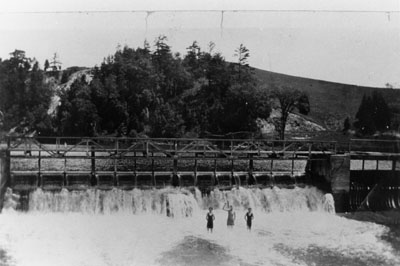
(372, 145)
(169, 146)
(176, 146)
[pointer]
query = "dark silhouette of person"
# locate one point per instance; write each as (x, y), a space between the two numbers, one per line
(249, 218)
(210, 220)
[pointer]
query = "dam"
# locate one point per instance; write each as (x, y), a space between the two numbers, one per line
(88, 201)
(349, 171)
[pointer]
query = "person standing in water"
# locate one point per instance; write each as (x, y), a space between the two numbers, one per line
(210, 220)
(249, 218)
(231, 215)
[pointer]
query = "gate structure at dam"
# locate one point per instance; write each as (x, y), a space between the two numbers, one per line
(77, 163)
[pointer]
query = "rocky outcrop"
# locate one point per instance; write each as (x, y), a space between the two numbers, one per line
(295, 123)
(55, 100)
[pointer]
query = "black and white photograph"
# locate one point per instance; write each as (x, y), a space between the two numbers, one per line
(199, 133)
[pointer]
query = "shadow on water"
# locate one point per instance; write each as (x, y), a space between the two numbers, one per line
(319, 256)
(196, 251)
(4, 258)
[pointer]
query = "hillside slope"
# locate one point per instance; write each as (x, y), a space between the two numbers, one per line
(330, 102)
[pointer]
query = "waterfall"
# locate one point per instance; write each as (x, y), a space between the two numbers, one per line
(271, 200)
(164, 226)
(179, 202)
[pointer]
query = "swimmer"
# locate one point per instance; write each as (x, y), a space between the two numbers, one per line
(231, 215)
(210, 220)
(249, 218)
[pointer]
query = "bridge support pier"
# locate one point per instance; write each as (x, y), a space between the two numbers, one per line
(331, 173)
(340, 181)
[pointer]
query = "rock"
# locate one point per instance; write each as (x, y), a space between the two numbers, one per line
(295, 123)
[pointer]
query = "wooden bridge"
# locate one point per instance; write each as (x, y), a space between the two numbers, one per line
(54, 163)
(132, 162)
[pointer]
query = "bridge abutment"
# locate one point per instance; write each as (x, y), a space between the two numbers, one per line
(331, 173)
(340, 181)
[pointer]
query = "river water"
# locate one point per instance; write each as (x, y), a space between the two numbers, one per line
(168, 227)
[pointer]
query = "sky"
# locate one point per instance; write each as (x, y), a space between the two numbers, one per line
(354, 42)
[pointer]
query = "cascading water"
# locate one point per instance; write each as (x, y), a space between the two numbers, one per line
(171, 202)
(168, 227)
(178, 202)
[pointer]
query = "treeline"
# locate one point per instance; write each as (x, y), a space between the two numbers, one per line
(151, 91)
(160, 94)
(144, 91)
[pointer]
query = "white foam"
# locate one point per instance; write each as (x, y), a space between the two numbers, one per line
(118, 237)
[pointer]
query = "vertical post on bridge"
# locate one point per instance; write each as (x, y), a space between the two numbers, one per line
(152, 170)
(214, 178)
(115, 181)
(39, 167)
(251, 167)
(292, 173)
(134, 169)
(65, 176)
(272, 178)
(175, 178)
(233, 180)
(195, 168)
(4, 174)
(93, 166)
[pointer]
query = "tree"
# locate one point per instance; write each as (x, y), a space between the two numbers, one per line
(19, 55)
(162, 53)
(55, 63)
(242, 107)
(211, 47)
(160, 94)
(25, 95)
(46, 65)
(373, 114)
(381, 112)
(288, 99)
(191, 60)
(364, 123)
(77, 114)
(243, 54)
(346, 125)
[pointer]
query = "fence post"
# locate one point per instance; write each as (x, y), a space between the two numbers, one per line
(93, 181)
(40, 169)
(251, 165)
(4, 174)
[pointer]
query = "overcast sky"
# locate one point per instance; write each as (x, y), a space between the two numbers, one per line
(354, 42)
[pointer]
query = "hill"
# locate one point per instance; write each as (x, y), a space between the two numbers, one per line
(330, 102)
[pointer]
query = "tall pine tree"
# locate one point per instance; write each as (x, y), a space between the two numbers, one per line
(373, 114)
